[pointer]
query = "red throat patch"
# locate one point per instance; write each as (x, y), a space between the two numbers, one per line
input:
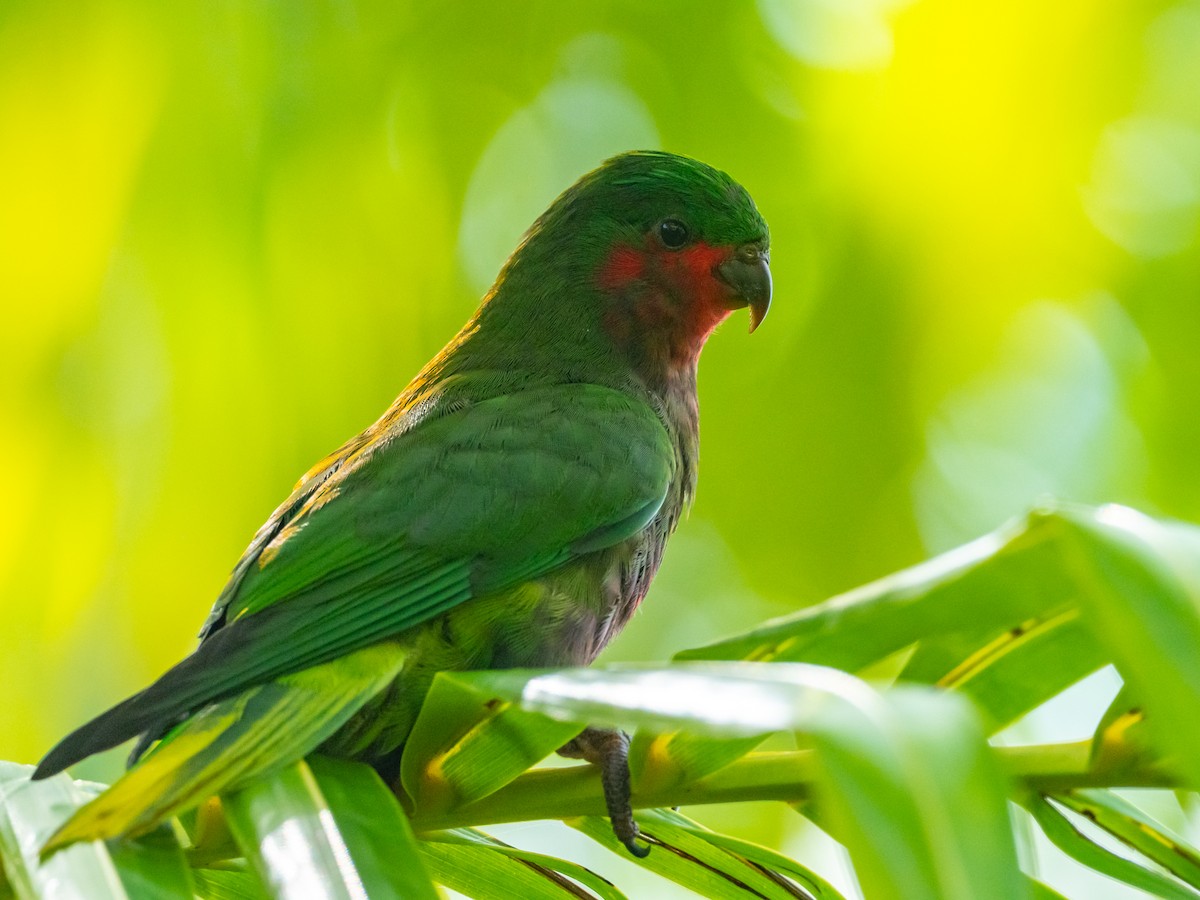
(675, 294)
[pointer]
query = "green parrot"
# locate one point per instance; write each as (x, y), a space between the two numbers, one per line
(508, 510)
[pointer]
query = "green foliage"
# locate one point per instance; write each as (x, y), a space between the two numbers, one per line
(906, 772)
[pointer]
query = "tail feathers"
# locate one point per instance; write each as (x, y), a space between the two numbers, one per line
(127, 719)
(232, 741)
(222, 667)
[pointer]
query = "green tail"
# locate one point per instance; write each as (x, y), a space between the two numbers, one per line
(228, 743)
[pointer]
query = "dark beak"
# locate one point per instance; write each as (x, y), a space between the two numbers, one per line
(748, 273)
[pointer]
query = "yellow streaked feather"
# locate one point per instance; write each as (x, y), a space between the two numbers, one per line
(220, 748)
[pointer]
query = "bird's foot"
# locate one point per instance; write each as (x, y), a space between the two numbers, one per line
(609, 750)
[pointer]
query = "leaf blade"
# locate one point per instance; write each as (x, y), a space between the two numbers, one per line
(377, 833)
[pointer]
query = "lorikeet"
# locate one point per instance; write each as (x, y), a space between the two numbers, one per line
(508, 510)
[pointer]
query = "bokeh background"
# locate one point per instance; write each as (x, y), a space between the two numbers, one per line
(231, 232)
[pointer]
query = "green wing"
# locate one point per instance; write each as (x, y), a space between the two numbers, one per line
(407, 526)
(225, 744)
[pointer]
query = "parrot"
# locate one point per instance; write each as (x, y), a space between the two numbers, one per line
(508, 510)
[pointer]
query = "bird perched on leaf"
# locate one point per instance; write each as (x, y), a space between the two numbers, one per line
(508, 510)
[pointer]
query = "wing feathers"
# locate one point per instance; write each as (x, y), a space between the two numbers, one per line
(230, 742)
(497, 492)
(282, 638)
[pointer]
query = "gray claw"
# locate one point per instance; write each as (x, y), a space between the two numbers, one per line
(609, 750)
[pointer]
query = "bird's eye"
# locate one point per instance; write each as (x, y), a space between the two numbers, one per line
(672, 233)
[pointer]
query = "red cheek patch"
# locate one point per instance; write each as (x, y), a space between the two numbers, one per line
(693, 271)
(705, 294)
(681, 299)
(624, 265)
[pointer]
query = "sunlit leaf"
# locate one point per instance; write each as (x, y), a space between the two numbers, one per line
(1138, 830)
(601, 887)
(731, 699)
(908, 784)
(1140, 586)
(153, 865)
(901, 771)
(376, 831)
(813, 883)
(687, 859)
(902, 775)
(659, 762)
(289, 833)
(468, 741)
(1121, 738)
(1008, 674)
(991, 584)
(228, 884)
(1040, 891)
(1067, 838)
(30, 811)
(480, 871)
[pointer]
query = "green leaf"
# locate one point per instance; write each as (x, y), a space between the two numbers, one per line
(228, 884)
(906, 775)
(687, 859)
(153, 865)
(467, 742)
(1121, 739)
(907, 782)
(30, 811)
(1000, 618)
(764, 857)
(1067, 838)
(382, 845)
(292, 838)
(1000, 580)
(1009, 673)
(478, 869)
(1138, 830)
(661, 762)
(1040, 891)
(1140, 583)
(600, 886)
(719, 699)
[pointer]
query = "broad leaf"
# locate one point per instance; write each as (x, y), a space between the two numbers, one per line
(659, 762)
(30, 811)
(468, 742)
(761, 856)
(986, 586)
(479, 870)
(228, 884)
(1067, 838)
(906, 775)
(1010, 673)
(1138, 830)
(1140, 587)
(382, 846)
(539, 862)
(291, 836)
(687, 859)
(908, 784)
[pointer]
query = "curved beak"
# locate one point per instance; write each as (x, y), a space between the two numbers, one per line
(749, 274)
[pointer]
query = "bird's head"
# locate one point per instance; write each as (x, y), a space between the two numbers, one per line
(653, 250)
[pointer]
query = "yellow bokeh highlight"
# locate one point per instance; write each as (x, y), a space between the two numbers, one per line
(972, 148)
(78, 97)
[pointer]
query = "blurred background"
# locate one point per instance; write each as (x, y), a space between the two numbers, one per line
(231, 232)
